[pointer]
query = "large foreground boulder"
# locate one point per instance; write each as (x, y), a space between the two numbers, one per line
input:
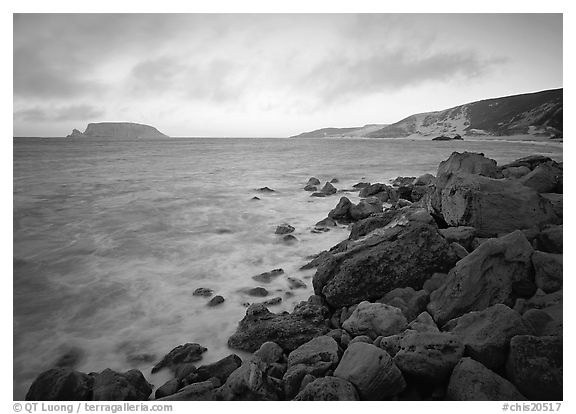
(287, 330)
(371, 370)
(486, 334)
(484, 278)
(472, 381)
(535, 366)
(114, 386)
(375, 319)
(328, 389)
(61, 384)
(401, 256)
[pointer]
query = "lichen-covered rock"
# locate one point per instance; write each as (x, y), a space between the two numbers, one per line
(535, 366)
(400, 256)
(114, 386)
(548, 271)
(371, 370)
(472, 381)
(483, 278)
(375, 319)
(428, 356)
(328, 389)
(315, 357)
(287, 330)
(486, 334)
(61, 384)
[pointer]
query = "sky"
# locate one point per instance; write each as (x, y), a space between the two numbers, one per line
(270, 75)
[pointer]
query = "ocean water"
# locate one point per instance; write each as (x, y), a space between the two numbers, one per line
(112, 237)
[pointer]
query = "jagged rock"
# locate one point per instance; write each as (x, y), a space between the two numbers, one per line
(545, 178)
(199, 391)
(396, 257)
(328, 389)
(182, 354)
(251, 381)
(371, 370)
(423, 323)
(75, 134)
(424, 179)
(287, 330)
(472, 381)
(535, 366)
(486, 334)
(374, 319)
(61, 384)
(408, 300)
(203, 292)
(328, 189)
(550, 239)
(483, 278)
(437, 280)
(267, 277)
(313, 181)
(493, 206)
(284, 229)
(531, 161)
(462, 235)
(216, 300)
(168, 388)
(428, 356)
(548, 272)
(114, 386)
(315, 357)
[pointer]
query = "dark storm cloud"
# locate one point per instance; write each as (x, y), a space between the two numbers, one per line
(67, 113)
(340, 77)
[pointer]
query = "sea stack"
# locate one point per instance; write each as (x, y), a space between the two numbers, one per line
(117, 130)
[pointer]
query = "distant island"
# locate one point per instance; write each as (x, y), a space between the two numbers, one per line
(117, 130)
(537, 114)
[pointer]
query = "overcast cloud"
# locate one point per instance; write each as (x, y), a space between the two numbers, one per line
(270, 75)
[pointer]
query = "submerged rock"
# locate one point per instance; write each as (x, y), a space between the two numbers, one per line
(182, 354)
(203, 292)
(267, 277)
(216, 300)
(287, 330)
(284, 229)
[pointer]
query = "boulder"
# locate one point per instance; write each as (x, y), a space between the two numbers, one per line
(374, 319)
(289, 239)
(486, 334)
(220, 369)
(61, 384)
(310, 188)
(535, 366)
(369, 224)
(472, 381)
(424, 180)
(313, 181)
(362, 338)
(295, 283)
(114, 386)
(423, 323)
(557, 202)
(537, 320)
(419, 192)
(334, 180)
(216, 300)
(168, 388)
(266, 190)
(545, 178)
(182, 354)
(462, 235)
(328, 189)
(409, 301)
(401, 256)
(318, 194)
(435, 281)
(284, 229)
(515, 172)
(428, 356)
(360, 185)
(483, 278)
(493, 206)
(267, 277)
(531, 162)
(371, 370)
(251, 381)
(365, 208)
(328, 389)
(287, 330)
(342, 209)
(382, 191)
(403, 181)
(315, 357)
(326, 223)
(548, 272)
(199, 391)
(206, 292)
(550, 239)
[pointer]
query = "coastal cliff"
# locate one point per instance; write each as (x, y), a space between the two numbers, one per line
(117, 130)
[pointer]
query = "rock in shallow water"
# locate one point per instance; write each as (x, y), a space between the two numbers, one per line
(182, 354)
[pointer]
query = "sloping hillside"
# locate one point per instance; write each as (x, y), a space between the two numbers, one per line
(342, 132)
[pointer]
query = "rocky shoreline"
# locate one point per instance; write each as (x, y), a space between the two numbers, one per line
(449, 287)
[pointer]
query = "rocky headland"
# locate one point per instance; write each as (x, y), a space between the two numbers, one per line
(449, 287)
(117, 130)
